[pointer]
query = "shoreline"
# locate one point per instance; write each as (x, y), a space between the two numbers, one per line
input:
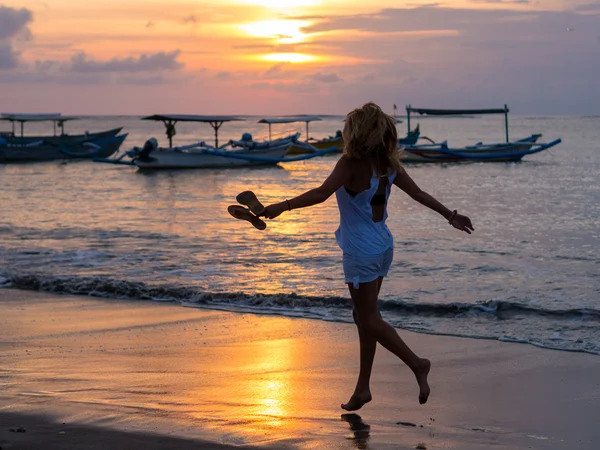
(284, 305)
(245, 379)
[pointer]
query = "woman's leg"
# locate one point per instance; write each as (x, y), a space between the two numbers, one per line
(367, 311)
(368, 346)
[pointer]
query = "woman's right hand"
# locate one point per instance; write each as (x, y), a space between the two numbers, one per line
(462, 223)
(274, 210)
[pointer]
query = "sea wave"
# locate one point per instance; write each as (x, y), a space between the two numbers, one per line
(114, 288)
(414, 316)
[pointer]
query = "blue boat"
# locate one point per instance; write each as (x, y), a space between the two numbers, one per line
(48, 150)
(59, 134)
(481, 152)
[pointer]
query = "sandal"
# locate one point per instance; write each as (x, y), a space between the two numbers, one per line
(239, 212)
(248, 198)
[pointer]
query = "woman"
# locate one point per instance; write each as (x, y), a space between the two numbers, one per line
(362, 181)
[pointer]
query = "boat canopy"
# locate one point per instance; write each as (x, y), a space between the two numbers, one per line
(58, 119)
(36, 117)
(307, 119)
(291, 119)
(191, 118)
(171, 119)
(457, 112)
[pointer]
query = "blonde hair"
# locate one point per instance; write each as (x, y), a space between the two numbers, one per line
(373, 137)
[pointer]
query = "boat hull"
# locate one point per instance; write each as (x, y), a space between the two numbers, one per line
(319, 145)
(481, 153)
(324, 144)
(69, 139)
(45, 151)
(173, 159)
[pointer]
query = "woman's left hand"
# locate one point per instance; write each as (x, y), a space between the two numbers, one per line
(274, 210)
(462, 223)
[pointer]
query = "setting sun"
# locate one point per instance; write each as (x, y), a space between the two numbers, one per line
(289, 57)
(286, 31)
(282, 3)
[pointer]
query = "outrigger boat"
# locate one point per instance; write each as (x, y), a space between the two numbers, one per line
(198, 155)
(310, 145)
(59, 124)
(47, 148)
(201, 155)
(495, 152)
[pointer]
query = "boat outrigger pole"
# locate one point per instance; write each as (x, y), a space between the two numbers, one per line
(459, 112)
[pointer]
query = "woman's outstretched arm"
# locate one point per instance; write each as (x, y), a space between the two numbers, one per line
(407, 184)
(338, 177)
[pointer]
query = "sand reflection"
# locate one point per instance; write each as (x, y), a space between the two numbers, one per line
(272, 391)
(361, 430)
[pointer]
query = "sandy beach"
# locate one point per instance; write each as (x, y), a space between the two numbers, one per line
(80, 372)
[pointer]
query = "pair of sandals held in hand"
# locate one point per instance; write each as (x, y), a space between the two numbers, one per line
(254, 209)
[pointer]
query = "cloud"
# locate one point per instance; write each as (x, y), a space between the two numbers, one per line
(282, 71)
(260, 85)
(522, 57)
(13, 24)
(162, 61)
(304, 87)
(491, 53)
(146, 69)
(190, 19)
(591, 7)
(325, 77)
(54, 77)
(504, 2)
(14, 21)
(9, 59)
(276, 70)
(296, 88)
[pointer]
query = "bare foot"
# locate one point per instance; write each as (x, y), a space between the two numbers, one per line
(358, 400)
(421, 375)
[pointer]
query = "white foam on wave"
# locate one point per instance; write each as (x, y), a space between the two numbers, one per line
(493, 320)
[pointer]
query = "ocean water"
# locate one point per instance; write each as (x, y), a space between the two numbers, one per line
(530, 273)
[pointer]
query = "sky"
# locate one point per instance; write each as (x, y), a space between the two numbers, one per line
(271, 57)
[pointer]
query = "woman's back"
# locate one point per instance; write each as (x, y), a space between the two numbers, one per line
(363, 211)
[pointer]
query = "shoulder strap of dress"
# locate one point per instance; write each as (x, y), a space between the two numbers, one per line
(392, 177)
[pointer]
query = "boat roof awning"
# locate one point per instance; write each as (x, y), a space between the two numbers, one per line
(36, 117)
(170, 120)
(191, 118)
(459, 112)
(273, 120)
(456, 112)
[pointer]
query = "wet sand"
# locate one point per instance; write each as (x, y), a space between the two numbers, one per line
(90, 373)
